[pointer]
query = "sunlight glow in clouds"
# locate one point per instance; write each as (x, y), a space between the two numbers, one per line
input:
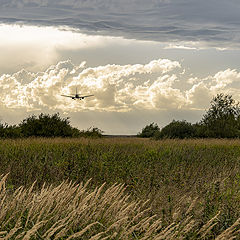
(34, 73)
(117, 88)
(35, 48)
(58, 37)
(214, 22)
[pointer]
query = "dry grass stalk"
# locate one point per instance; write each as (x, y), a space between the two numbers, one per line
(72, 211)
(79, 234)
(206, 228)
(230, 232)
(33, 230)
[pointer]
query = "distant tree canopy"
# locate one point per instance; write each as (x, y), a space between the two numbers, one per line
(91, 132)
(221, 120)
(177, 129)
(7, 131)
(149, 131)
(46, 125)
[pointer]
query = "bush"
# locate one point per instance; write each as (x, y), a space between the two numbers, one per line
(222, 120)
(7, 131)
(177, 129)
(91, 132)
(46, 125)
(149, 131)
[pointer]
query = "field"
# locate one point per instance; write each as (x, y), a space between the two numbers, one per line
(192, 188)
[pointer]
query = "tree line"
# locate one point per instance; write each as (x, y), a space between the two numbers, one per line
(221, 120)
(46, 125)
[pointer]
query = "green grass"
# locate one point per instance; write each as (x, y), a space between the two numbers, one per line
(171, 173)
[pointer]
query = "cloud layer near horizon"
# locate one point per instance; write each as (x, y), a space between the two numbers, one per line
(213, 22)
(116, 88)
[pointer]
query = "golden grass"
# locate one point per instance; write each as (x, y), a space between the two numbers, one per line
(73, 211)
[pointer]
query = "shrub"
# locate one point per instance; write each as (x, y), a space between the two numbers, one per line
(46, 125)
(8, 131)
(149, 131)
(91, 132)
(222, 120)
(177, 129)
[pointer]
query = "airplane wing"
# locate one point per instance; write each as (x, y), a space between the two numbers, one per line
(86, 96)
(67, 96)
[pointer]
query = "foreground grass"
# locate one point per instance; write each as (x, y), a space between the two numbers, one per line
(197, 178)
(71, 211)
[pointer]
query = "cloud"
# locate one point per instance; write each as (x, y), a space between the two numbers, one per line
(141, 93)
(202, 91)
(212, 23)
(164, 96)
(225, 78)
(183, 46)
(199, 96)
(109, 84)
(116, 88)
(35, 48)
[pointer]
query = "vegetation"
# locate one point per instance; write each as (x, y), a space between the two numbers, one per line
(139, 189)
(46, 125)
(7, 131)
(93, 132)
(188, 183)
(222, 120)
(149, 131)
(71, 211)
(177, 129)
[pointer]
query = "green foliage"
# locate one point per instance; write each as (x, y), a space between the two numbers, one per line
(149, 131)
(8, 131)
(222, 120)
(46, 125)
(177, 129)
(92, 132)
(171, 173)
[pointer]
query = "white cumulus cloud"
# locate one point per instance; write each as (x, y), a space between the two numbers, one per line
(116, 88)
(113, 86)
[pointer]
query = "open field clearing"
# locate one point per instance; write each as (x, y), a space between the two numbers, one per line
(193, 188)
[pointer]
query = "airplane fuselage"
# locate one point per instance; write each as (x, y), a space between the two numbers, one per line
(77, 97)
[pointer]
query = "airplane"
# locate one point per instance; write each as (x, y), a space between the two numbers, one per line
(77, 96)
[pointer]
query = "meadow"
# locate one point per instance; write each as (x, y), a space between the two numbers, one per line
(119, 189)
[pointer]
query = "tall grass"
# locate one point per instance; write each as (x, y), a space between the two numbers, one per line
(200, 178)
(72, 211)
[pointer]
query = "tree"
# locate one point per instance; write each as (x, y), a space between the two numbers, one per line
(222, 120)
(46, 125)
(8, 131)
(149, 131)
(177, 129)
(92, 132)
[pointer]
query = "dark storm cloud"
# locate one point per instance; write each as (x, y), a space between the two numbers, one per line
(215, 22)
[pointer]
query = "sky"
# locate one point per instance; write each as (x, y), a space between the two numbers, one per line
(143, 60)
